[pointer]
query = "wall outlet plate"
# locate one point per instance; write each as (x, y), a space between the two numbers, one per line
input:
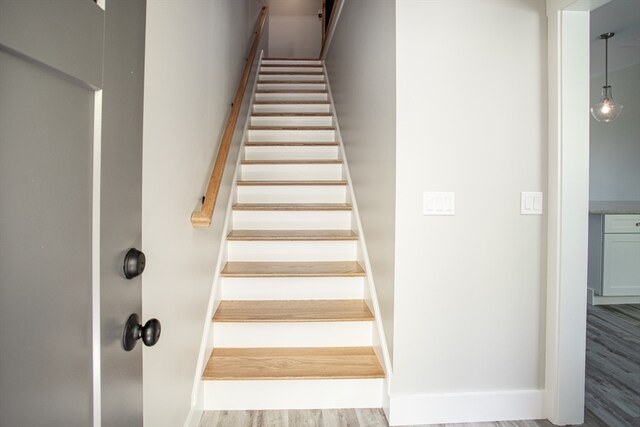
(531, 203)
(439, 203)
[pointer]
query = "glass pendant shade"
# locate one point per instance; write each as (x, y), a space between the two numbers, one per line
(606, 110)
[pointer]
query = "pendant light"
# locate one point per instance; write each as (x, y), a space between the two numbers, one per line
(606, 110)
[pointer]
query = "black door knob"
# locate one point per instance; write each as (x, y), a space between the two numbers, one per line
(133, 331)
(134, 262)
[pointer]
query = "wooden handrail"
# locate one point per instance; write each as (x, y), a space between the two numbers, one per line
(202, 218)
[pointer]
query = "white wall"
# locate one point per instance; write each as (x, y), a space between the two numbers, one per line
(294, 28)
(361, 68)
(614, 165)
(195, 53)
(469, 288)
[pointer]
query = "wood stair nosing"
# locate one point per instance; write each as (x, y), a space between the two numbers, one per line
(286, 91)
(291, 207)
(291, 73)
(291, 101)
(290, 59)
(289, 143)
(291, 128)
(292, 162)
(288, 311)
(293, 269)
(291, 235)
(293, 364)
(292, 183)
(291, 65)
(291, 82)
(292, 114)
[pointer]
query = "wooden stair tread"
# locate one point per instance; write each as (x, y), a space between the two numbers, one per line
(291, 91)
(300, 183)
(290, 59)
(291, 82)
(294, 114)
(278, 311)
(291, 65)
(292, 235)
(291, 207)
(293, 269)
(290, 101)
(292, 363)
(292, 162)
(291, 73)
(294, 127)
(289, 143)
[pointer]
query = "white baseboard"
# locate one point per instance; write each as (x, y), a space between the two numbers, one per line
(594, 299)
(466, 407)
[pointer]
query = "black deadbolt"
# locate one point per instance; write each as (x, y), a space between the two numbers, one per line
(133, 331)
(134, 262)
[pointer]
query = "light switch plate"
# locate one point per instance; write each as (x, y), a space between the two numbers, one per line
(531, 203)
(439, 203)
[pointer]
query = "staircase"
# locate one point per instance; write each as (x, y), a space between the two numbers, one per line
(293, 328)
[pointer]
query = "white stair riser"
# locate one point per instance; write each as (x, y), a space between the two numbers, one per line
(321, 152)
(292, 194)
(289, 69)
(290, 251)
(290, 77)
(293, 334)
(291, 135)
(292, 288)
(292, 86)
(291, 96)
(294, 62)
(291, 172)
(291, 108)
(292, 121)
(292, 220)
(293, 394)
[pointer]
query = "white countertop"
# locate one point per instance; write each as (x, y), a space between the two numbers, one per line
(614, 207)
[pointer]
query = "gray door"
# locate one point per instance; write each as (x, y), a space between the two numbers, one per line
(63, 302)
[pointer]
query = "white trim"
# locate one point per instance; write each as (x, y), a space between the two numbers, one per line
(332, 30)
(197, 390)
(379, 340)
(568, 197)
(466, 407)
(95, 259)
(594, 299)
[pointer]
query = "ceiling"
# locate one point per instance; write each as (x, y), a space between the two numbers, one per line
(623, 18)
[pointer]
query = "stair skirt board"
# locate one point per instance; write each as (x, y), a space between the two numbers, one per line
(296, 394)
(283, 334)
(292, 326)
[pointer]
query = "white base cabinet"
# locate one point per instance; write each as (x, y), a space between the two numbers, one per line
(614, 255)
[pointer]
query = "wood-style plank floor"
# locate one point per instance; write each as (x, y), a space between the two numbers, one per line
(612, 385)
(613, 364)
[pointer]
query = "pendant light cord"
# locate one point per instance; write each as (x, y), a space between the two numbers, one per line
(606, 62)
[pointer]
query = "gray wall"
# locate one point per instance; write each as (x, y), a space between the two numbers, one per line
(362, 73)
(472, 119)
(195, 55)
(614, 164)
